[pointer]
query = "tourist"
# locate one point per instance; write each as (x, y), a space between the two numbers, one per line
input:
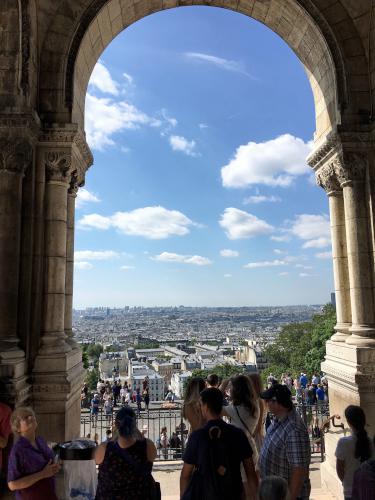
(273, 488)
(244, 414)
(352, 450)
(138, 400)
(225, 390)
(364, 481)
(169, 396)
(315, 379)
(125, 464)
(164, 442)
(191, 410)
(108, 436)
(286, 447)
(94, 410)
(320, 395)
(213, 457)
(303, 380)
(212, 381)
(123, 392)
(5, 430)
(30, 468)
(108, 410)
(146, 397)
(116, 389)
(259, 430)
(127, 396)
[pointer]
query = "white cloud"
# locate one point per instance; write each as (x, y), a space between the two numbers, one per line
(324, 255)
(255, 199)
(196, 260)
(202, 126)
(273, 163)
(126, 268)
(229, 253)
(83, 255)
(265, 263)
(302, 266)
(128, 78)
(284, 274)
(219, 62)
(277, 251)
(281, 239)
(172, 122)
(102, 80)
(106, 117)
(179, 143)
(84, 196)
(227, 275)
(305, 275)
(314, 229)
(150, 222)
(81, 265)
(238, 224)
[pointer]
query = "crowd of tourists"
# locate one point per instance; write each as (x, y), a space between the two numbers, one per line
(229, 453)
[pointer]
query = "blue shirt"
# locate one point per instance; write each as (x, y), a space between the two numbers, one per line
(320, 394)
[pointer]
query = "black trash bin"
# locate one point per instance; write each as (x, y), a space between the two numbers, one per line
(80, 476)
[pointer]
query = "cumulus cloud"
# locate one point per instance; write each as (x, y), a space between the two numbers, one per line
(229, 253)
(238, 224)
(84, 196)
(83, 255)
(302, 266)
(281, 239)
(196, 260)
(265, 263)
(128, 78)
(277, 251)
(273, 163)
(150, 222)
(324, 255)
(202, 126)
(126, 268)
(102, 80)
(258, 198)
(179, 143)
(219, 62)
(313, 229)
(106, 117)
(83, 266)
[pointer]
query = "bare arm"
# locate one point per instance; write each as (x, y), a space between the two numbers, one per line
(186, 473)
(3, 441)
(340, 468)
(151, 451)
(251, 476)
(25, 482)
(296, 481)
(99, 453)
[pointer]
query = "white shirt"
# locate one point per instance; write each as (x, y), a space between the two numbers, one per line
(250, 421)
(345, 451)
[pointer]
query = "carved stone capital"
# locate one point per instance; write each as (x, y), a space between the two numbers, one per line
(326, 178)
(351, 166)
(74, 185)
(15, 155)
(58, 166)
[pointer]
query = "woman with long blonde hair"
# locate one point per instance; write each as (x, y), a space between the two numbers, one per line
(259, 431)
(191, 409)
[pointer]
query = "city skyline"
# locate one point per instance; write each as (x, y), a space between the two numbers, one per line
(200, 121)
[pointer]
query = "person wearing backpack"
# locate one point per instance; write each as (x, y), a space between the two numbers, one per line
(213, 457)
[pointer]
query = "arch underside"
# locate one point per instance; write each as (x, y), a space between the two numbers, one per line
(72, 56)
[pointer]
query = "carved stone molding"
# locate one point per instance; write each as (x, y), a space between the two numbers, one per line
(74, 185)
(15, 155)
(58, 165)
(326, 178)
(25, 45)
(19, 124)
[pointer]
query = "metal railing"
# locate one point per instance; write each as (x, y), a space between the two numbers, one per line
(150, 423)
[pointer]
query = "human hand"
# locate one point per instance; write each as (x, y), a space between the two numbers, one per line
(50, 469)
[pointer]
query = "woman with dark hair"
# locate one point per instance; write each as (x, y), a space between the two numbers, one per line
(191, 409)
(352, 450)
(244, 413)
(125, 464)
(260, 428)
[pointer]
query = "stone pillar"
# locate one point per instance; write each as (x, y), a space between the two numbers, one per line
(352, 169)
(326, 178)
(350, 359)
(15, 157)
(68, 323)
(58, 371)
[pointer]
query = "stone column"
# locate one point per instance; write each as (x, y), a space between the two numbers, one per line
(72, 194)
(351, 169)
(326, 178)
(58, 370)
(15, 157)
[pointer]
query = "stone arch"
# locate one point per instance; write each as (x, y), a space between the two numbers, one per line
(340, 91)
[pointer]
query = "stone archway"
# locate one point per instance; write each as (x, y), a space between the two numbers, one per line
(49, 51)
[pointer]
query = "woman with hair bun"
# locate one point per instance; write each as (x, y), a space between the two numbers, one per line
(125, 464)
(352, 450)
(191, 410)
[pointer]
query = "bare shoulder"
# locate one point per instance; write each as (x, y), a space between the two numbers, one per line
(100, 453)
(151, 450)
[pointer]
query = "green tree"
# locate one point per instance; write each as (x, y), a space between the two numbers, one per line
(322, 329)
(94, 351)
(92, 377)
(223, 371)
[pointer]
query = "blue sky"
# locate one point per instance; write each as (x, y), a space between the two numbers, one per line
(200, 120)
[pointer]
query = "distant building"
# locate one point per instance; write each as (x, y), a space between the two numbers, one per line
(252, 356)
(178, 383)
(156, 384)
(111, 363)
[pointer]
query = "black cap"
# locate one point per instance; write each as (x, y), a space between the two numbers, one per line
(279, 393)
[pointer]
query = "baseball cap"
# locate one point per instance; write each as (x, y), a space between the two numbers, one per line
(279, 393)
